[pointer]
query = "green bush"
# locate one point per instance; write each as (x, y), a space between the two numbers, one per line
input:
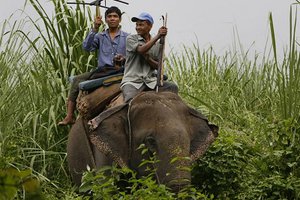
(116, 183)
(275, 173)
(222, 170)
(260, 165)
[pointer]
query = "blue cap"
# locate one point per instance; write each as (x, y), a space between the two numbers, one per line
(143, 16)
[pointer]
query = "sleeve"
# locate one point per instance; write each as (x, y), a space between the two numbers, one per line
(156, 51)
(131, 43)
(91, 42)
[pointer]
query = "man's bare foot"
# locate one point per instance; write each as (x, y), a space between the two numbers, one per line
(66, 121)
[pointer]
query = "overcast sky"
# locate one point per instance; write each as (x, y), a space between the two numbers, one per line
(203, 22)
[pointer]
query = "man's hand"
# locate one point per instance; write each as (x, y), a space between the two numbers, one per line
(97, 23)
(119, 60)
(142, 49)
(162, 31)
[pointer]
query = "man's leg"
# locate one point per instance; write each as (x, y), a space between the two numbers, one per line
(71, 103)
(129, 92)
(69, 119)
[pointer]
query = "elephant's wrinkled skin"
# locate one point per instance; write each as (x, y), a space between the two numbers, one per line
(162, 121)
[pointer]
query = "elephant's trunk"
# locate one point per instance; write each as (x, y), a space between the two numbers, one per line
(178, 175)
(177, 187)
(179, 182)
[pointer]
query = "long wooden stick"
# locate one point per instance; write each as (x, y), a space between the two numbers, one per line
(160, 70)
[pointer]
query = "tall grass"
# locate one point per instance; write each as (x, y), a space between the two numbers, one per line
(223, 87)
(62, 37)
(34, 74)
(28, 106)
(232, 83)
(30, 100)
(287, 76)
(256, 104)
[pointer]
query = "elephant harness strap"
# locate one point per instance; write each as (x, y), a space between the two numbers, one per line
(96, 121)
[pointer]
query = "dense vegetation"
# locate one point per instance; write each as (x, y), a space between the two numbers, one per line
(255, 102)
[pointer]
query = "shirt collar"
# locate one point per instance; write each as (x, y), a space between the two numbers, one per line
(106, 33)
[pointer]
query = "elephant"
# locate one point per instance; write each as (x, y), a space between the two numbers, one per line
(168, 127)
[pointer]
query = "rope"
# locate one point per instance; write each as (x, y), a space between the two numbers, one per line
(129, 132)
(90, 152)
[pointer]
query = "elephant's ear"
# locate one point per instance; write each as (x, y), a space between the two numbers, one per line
(110, 136)
(202, 133)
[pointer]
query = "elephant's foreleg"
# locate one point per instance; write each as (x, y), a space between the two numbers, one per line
(79, 152)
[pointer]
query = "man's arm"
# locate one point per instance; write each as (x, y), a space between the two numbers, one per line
(90, 44)
(153, 63)
(142, 49)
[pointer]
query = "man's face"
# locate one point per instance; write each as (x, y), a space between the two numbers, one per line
(113, 20)
(143, 27)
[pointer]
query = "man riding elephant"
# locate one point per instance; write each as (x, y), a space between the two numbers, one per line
(170, 129)
(142, 51)
(111, 55)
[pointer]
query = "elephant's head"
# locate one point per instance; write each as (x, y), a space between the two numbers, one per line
(166, 125)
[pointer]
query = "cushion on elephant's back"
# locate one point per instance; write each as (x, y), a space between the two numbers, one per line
(91, 104)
